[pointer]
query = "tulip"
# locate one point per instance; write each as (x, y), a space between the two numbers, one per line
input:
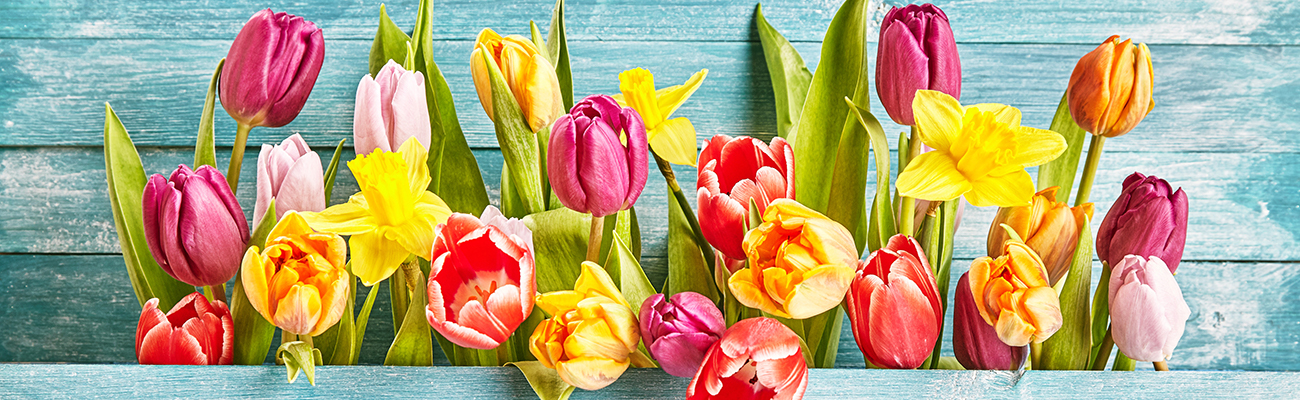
(596, 160)
(893, 306)
(195, 228)
(1013, 295)
(975, 342)
(1049, 227)
(679, 330)
(194, 332)
(390, 109)
(592, 333)
(757, 358)
(1147, 311)
(1148, 219)
(800, 263)
(271, 68)
(300, 282)
(733, 171)
(529, 76)
(481, 286)
(1110, 88)
(916, 52)
(291, 174)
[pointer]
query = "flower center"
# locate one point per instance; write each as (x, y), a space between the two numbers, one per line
(382, 177)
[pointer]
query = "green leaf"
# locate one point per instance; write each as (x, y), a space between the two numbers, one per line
(333, 171)
(1069, 348)
(413, 345)
(817, 132)
(790, 77)
(460, 182)
(299, 356)
(398, 298)
(519, 145)
(628, 275)
(1060, 172)
(881, 226)
(560, 243)
(1122, 362)
(848, 191)
(545, 381)
(1100, 311)
(205, 149)
(363, 319)
(949, 363)
(389, 43)
(535, 34)
(263, 229)
(253, 334)
(126, 181)
(687, 269)
(822, 335)
(558, 48)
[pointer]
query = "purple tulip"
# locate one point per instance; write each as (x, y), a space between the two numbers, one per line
(390, 109)
(678, 331)
(974, 341)
(1147, 311)
(590, 168)
(916, 51)
(271, 68)
(291, 174)
(194, 227)
(1148, 219)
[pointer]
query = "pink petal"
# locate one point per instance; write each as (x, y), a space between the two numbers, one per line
(602, 169)
(369, 130)
(562, 164)
(410, 118)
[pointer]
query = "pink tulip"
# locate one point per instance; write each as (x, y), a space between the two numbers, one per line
(271, 68)
(390, 109)
(679, 330)
(1147, 311)
(893, 306)
(194, 332)
(590, 168)
(757, 358)
(1148, 219)
(917, 51)
(975, 342)
(195, 229)
(731, 172)
(291, 174)
(481, 286)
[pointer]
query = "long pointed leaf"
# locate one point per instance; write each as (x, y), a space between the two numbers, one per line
(627, 274)
(333, 170)
(205, 149)
(519, 145)
(1069, 348)
(413, 345)
(848, 191)
(558, 47)
(687, 269)
(253, 333)
(545, 381)
(560, 241)
(389, 43)
(790, 76)
(1060, 172)
(363, 319)
(882, 209)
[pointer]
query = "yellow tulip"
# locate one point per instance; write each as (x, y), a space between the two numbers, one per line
(529, 75)
(392, 217)
(591, 334)
(672, 139)
(1013, 295)
(800, 263)
(299, 281)
(980, 151)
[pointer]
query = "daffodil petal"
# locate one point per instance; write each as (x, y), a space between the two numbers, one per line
(1037, 147)
(674, 140)
(672, 97)
(417, 167)
(933, 176)
(375, 258)
(1001, 112)
(349, 218)
(1009, 190)
(938, 118)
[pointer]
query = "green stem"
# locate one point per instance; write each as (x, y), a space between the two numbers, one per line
(1090, 169)
(666, 169)
(1035, 353)
(237, 156)
(215, 292)
(907, 211)
(1103, 354)
(593, 240)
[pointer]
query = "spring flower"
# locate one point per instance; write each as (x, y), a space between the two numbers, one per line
(1147, 311)
(916, 52)
(591, 334)
(527, 73)
(194, 332)
(1013, 295)
(194, 226)
(679, 330)
(481, 284)
(757, 358)
(271, 68)
(390, 108)
(299, 282)
(732, 171)
(1049, 227)
(392, 216)
(980, 151)
(672, 139)
(1110, 89)
(800, 263)
(1148, 219)
(596, 160)
(291, 174)
(893, 306)
(975, 342)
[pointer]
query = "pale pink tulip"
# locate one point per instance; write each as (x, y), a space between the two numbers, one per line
(1147, 311)
(291, 174)
(390, 109)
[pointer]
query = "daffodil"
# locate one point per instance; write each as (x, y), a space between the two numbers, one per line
(980, 151)
(392, 217)
(672, 139)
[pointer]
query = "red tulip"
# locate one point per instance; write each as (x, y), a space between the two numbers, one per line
(731, 172)
(194, 332)
(271, 68)
(757, 358)
(893, 306)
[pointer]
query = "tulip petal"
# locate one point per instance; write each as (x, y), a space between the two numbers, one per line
(637, 160)
(938, 119)
(410, 111)
(369, 131)
(211, 242)
(1138, 329)
(902, 67)
(562, 164)
(934, 176)
(680, 354)
(723, 222)
(1011, 190)
(591, 373)
(375, 258)
(674, 140)
(1044, 311)
(822, 289)
(747, 292)
(298, 310)
(303, 188)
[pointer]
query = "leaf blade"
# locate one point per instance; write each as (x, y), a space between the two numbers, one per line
(205, 150)
(1061, 171)
(790, 76)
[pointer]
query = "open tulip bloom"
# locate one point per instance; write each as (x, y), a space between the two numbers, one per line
(800, 263)
(299, 282)
(194, 332)
(757, 358)
(733, 172)
(592, 333)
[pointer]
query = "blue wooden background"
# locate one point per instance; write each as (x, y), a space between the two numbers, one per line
(1225, 127)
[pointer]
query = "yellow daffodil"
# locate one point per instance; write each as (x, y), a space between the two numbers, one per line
(392, 217)
(672, 139)
(591, 334)
(980, 151)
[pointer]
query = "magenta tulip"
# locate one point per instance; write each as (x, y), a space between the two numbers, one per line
(195, 229)
(1148, 219)
(271, 68)
(916, 52)
(733, 171)
(679, 330)
(974, 341)
(1147, 311)
(390, 108)
(194, 332)
(291, 174)
(590, 168)
(893, 306)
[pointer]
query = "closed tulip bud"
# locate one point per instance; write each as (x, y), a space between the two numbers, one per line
(271, 68)
(300, 282)
(679, 330)
(1013, 295)
(1148, 219)
(733, 171)
(591, 334)
(757, 358)
(530, 77)
(1147, 311)
(893, 306)
(390, 108)
(800, 263)
(481, 285)
(916, 52)
(291, 174)
(1110, 88)
(195, 229)
(194, 332)
(597, 160)
(975, 342)
(1048, 226)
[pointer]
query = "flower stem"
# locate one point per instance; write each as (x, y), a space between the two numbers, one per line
(593, 240)
(1103, 355)
(670, 177)
(906, 222)
(1090, 169)
(215, 292)
(237, 156)
(640, 360)
(1161, 366)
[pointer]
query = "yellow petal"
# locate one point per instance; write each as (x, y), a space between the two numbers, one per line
(674, 140)
(254, 272)
(292, 224)
(417, 167)
(1013, 330)
(938, 118)
(416, 235)
(299, 310)
(479, 72)
(349, 218)
(747, 292)
(638, 88)
(557, 302)
(375, 258)
(672, 97)
(590, 373)
(1011, 190)
(333, 300)
(1001, 112)
(933, 176)
(595, 280)
(1037, 147)
(1044, 312)
(822, 289)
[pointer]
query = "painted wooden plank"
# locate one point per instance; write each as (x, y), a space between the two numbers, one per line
(1208, 98)
(1183, 21)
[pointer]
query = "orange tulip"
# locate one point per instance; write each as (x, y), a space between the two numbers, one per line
(1110, 89)
(529, 75)
(298, 282)
(1049, 227)
(1012, 294)
(800, 263)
